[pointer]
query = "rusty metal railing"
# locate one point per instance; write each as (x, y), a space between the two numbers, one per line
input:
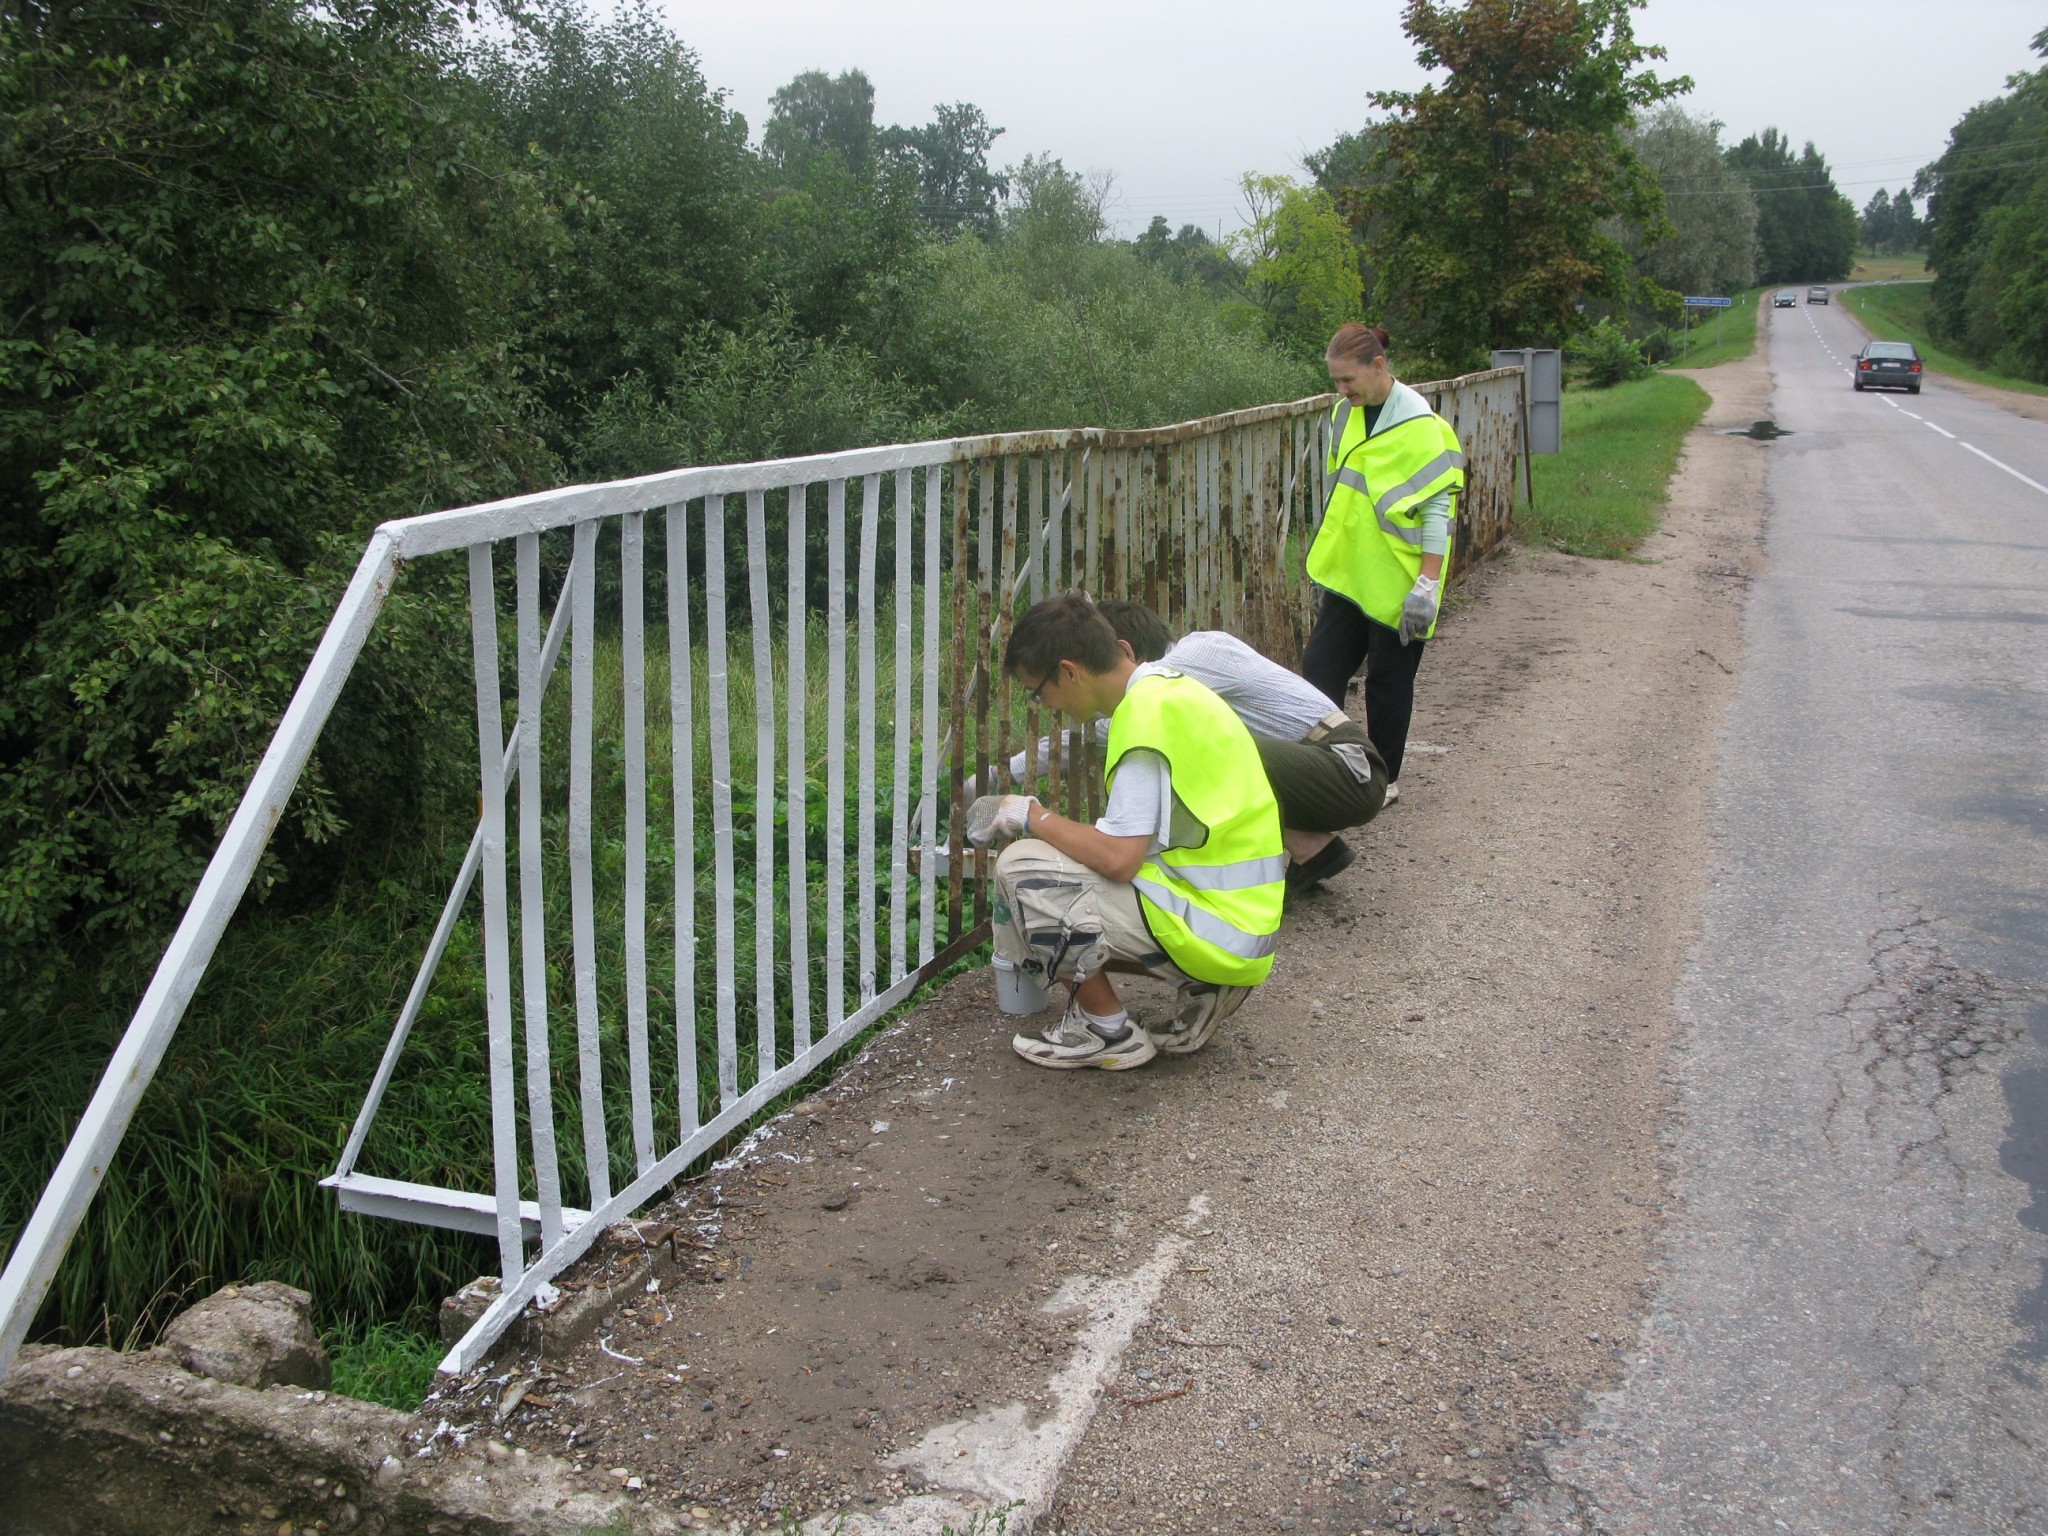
(855, 690)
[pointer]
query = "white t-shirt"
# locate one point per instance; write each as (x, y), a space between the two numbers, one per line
(1269, 699)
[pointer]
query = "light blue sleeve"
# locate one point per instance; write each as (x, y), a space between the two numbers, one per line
(1436, 523)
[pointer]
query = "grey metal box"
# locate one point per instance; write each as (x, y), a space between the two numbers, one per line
(1542, 392)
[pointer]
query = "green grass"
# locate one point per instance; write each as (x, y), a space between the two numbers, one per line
(1603, 494)
(388, 1363)
(1873, 268)
(1723, 336)
(1898, 312)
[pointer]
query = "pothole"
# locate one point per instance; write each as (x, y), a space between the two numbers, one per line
(1758, 431)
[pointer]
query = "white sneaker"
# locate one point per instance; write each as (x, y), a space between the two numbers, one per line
(1076, 1041)
(1203, 1006)
(1393, 792)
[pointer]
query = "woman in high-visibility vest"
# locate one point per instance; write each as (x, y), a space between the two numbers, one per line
(1382, 551)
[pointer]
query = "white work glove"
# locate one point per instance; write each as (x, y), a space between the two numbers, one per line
(997, 816)
(1419, 612)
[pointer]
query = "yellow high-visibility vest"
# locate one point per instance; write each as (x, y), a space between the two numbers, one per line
(1214, 907)
(1369, 547)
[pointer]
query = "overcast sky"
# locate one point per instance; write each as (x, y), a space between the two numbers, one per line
(1176, 100)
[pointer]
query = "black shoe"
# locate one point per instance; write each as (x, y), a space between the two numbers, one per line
(1334, 859)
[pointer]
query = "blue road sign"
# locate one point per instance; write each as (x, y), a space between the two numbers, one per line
(1693, 303)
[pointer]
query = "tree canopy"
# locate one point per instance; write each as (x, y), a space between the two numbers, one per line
(1987, 228)
(1710, 246)
(1490, 200)
(1805, 229)
(267, 282)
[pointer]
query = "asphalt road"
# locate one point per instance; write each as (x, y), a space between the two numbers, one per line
(1851, 1326)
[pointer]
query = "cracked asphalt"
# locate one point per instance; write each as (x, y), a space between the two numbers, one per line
(1850, 1324)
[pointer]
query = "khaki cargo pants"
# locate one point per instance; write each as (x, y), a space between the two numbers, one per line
(1058, 920)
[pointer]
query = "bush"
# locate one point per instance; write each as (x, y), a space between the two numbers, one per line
(265, 279)
(1608, 357)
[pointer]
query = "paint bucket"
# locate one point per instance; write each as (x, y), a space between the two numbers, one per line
(1017, 990)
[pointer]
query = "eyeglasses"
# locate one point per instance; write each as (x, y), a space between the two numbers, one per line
(1037, 695)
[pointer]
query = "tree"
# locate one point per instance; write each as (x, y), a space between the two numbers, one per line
(1491, 195)
(956, 189)
(817, 112)
(1991, 166)
(1189, 256)
(265, 282)
(1806, 230)
(1299, 266)
(656, 186)
(1890, 224)
(1711, 246)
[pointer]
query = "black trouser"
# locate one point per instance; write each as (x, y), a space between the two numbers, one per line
(1342, 638)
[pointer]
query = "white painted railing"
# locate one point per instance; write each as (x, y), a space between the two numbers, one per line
(927, 552)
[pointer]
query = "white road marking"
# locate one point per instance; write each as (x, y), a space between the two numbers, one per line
(1008, 1458)
(2037, 485)
(1916, 416)
(1944, 431)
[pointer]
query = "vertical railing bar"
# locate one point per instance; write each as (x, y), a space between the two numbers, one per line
(928, 884)
(582, 902)
(964, 655)
(764, 781)
(483, 619)
(533, 937)
(1045, 513)
(1102, 579)
(1007, 576)
(1059, 506)
(1184, 533)
(633, 638)
(899, 778)
(797, 668)
(718, 690)
(989, 587)
(1037, 537)
(683, 807)
(870, 534)
(1207, 496)
(1143, 554)
(835, 750)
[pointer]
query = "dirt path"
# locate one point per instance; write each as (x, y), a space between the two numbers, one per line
(1347, 1269)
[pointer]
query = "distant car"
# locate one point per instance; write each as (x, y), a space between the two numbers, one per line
(1888, 365)
(1816, 294)
(1785, 299)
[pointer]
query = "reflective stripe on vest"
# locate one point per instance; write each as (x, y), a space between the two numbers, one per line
(1214, 907)
(1206, 926)
(1241, 876)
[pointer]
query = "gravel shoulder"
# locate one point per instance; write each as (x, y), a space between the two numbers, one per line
(1356, 1264)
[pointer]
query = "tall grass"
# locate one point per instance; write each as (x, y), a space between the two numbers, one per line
(1602, 495)
(216, 1179)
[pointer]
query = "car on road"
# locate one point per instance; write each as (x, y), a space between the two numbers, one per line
(1887, 365)
(1817, 294)
(1785, 298)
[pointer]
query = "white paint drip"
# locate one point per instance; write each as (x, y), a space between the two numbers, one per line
(1000, 1461)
